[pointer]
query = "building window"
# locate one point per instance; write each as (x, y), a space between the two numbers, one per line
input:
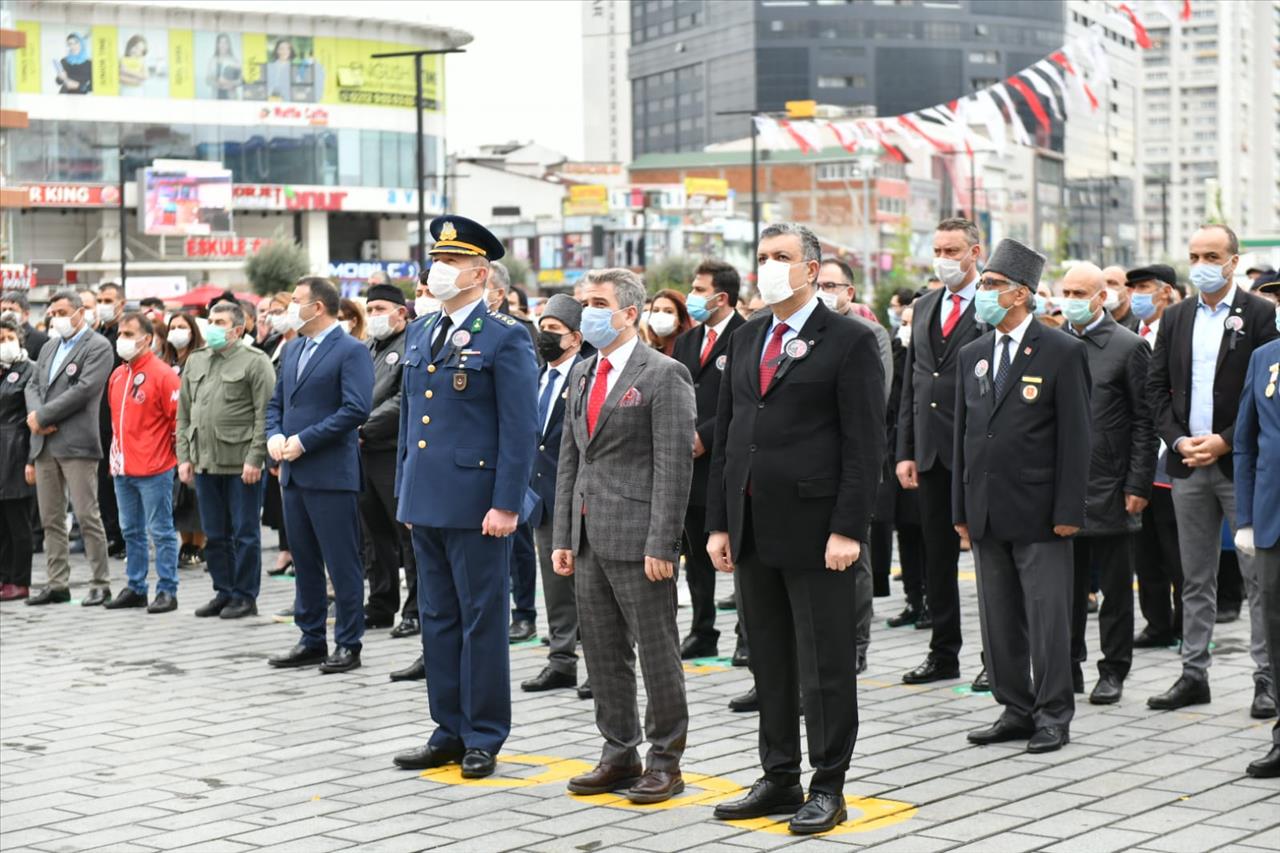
(856, 81)
(983, 57)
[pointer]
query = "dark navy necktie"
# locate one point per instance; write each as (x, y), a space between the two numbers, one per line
(544, 402)
(1002, 372)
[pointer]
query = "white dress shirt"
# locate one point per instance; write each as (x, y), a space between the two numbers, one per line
(458, 317)
(966, 294)
(1017, 335)
(1206, 340)
(617, 363)
(794, 324)
(562, 374)
(718, 328)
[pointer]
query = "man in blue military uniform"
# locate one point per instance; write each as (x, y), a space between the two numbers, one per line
(468, 435)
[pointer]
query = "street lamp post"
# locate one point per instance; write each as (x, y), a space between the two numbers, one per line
(867, 160)
(420, 171)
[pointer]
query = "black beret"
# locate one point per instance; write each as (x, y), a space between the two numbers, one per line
(1160, 272)
(385, 292)
(1267, 283)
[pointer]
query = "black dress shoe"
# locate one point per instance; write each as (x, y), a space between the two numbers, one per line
(821, 813)
(416, 671)
(925, 620)
(1185, 691)
(697, 647)
(1077, 680)
(343, 659)
(521, 630)
(409, 627)
(741, 656)
(477, 764)
(1264, 705)
(1267, 767)
(49, 595)
(908, 616)
(931, 670)
(128, 597)
(747, 703)
(861, 665)
(97, 596)
(1107, 691)
(729, 603)
(584, 690)
(981, 683)
(427, 757)
(765, 798)
(548, 679)
(116, 550)
(376, 619)
(240, 608)
(164, 602)
(276, 571)
(1148, 640)
(299, 655)
(999, 732)
(215, 606)
(1227, 614)
(1049, 739)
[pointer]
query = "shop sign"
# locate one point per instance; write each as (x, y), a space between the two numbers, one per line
(224, 247)
(361, 270)
(286, 197)
(294, 114)
(15, 277)
(72, 195)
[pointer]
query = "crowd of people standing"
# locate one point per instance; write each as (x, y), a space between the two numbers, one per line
(1072, 434)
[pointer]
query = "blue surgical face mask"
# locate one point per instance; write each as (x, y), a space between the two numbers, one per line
(988, 308)
(895, 318)
(1143, 305)
(1042, 306)
(1208, 278)
(1278, 318)
(597, 327)
(697, 305)
(1079, 312)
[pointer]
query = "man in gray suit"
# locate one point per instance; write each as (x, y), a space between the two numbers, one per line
(622, 488)
(62, 404)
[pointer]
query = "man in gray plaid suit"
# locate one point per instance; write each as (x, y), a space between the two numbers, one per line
(622, 487)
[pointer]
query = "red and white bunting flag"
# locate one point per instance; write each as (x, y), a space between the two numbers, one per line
(911, 122)
(1019, 129)
(1139, 31)
(1174, 11)
(770, 134)
(1045, 91)
(1077, 78)
(846, 138)
(1186, 10)
(804, 134)
(1037, 108)
(883, 132)
(1048, 69)
(982, 108)
(957, 130)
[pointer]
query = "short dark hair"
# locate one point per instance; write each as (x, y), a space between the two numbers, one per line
(724, 278)
(143, 321)
(1233, 242)
(17, 297)
(845, 269)
(521, 296)
(113, 286)
(324, 292)
(232, 308)
(151, 302)
(15, 327)
(958, 223)
(70, 296)
(905, 296)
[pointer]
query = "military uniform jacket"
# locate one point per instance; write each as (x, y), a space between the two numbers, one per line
(380, 431)
(1257, 448)
(468, 421)
(222, 409)
(1021, 462)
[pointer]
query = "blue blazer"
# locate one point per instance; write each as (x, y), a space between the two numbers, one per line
(1257, 448)
(468, 422)
(324, 407)
(548, 458)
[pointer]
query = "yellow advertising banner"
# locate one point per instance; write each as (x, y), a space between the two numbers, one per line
(182, 64)
(106, 60)
(255, 44)
(708, 187)
(587, 200)
(26, 68)
(353, 76)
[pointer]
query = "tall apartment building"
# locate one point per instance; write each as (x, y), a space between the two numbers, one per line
(606, 88)
(1209, 123)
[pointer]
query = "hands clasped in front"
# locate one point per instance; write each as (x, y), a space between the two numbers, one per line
(655, 569)
(842, 552)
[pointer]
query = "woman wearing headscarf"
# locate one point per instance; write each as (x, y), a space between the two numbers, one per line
(17, 475)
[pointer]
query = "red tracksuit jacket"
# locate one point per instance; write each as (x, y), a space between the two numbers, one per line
(143, 395)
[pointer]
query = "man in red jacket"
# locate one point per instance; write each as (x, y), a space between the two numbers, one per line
(143, 394)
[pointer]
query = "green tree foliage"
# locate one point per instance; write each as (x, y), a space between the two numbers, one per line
(277, 266)
(675, 273)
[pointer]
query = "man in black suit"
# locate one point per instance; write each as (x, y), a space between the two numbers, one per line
(1021, 474)
(943, 322)
(559, 340)
(798, 449)
(713, 302)
(1197, 372)
(1120, 475)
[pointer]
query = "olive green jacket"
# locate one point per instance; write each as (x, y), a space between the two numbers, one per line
(222, 409)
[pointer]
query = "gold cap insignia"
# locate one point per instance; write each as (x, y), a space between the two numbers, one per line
(448, 232)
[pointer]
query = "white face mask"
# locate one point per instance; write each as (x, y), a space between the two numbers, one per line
(829, 299)
(442, 280)
(61, 327)
(1112, 301)
(292, 319)
(10, 351)
(179, 338)
(773, 280)
(127, 348)
(662, 324)
(346, 325)
(948, 271)
(13, 316)
(379, 326)
(904, 335)
(106, 313)
(424, 305)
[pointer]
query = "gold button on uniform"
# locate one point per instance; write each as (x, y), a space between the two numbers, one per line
(426, 419)
(422, 445)
(931, 405)
(428, 394)
(431, 368)
(481, 463)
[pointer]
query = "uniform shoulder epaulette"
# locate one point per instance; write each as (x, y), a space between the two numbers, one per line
(497, 315)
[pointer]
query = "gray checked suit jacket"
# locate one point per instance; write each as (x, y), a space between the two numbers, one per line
(71, 400)
(633, 474)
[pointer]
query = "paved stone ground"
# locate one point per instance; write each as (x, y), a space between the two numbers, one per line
(126, 731)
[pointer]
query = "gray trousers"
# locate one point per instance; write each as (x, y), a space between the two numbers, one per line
(55, 478)
(1267, 564)
(1024, 605)
(1200, 502)
(863, 607)
(619, 611)
(562, 606)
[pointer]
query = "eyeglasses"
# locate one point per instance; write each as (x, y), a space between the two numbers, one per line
(995, 284)
(829, 286)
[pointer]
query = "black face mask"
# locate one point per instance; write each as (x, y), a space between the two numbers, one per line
(549, 345)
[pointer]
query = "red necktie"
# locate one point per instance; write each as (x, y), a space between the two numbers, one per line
(706, 348)
(772, 355)
(599, 390)
(953, 317)
(1146, 330)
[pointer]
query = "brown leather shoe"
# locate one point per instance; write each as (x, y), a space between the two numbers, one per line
(656, 786)
(605, 779)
